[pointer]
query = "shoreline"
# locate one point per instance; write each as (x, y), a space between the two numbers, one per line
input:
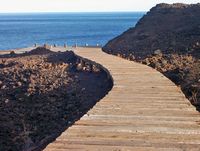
(56, 49)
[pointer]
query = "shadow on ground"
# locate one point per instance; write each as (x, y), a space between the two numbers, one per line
(30, 121)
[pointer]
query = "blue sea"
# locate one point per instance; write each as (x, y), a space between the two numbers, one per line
(23, 30)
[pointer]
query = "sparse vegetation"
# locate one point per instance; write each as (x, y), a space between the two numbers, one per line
(42, 93)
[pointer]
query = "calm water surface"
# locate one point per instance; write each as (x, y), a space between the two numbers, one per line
(22, 30)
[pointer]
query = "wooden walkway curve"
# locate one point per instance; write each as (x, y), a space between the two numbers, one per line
(143, 111)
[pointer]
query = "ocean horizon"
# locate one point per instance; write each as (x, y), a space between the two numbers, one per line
(18, 30)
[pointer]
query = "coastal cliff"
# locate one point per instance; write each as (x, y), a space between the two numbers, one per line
(167, 38)
(169, 28)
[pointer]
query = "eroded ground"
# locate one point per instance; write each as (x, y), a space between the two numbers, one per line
(42, 93)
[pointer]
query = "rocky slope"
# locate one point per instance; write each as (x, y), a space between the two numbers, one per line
(166, 38)
(170, 28)
(42, 93)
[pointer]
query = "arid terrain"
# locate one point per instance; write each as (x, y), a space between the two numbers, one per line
(42, 93)
(166, 38)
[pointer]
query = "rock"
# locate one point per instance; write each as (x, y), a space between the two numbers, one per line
(164, 62)
(24, 80)
(146, 61)
(158, 52)
(88, 68)
(131, 57)
(84, 68)
(79, 67)
(95, 68)
(3, 87)
(7, 101)
(19, 84)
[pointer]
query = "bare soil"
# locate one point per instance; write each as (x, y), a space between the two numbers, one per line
(42, 93)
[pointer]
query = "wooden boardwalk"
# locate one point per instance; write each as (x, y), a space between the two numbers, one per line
(143, 111)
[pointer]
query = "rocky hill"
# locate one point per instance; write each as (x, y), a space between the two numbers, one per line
(166, 38)
(42, 93)
(169, 28)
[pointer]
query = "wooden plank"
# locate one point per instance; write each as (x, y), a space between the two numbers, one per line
(144, 111)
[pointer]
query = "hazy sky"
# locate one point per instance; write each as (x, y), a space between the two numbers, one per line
(81, 5)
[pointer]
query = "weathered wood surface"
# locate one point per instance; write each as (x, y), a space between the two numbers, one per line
(143, 111)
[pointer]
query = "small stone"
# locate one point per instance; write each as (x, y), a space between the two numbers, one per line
(131, 57)
(7, 101)
(146, 61)
(79, 67)
(95, 68)
(3, 87)
(158, 52)
(19, 84)
(84, 68)
(24, 79)
(89, 68)
(164, 62)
